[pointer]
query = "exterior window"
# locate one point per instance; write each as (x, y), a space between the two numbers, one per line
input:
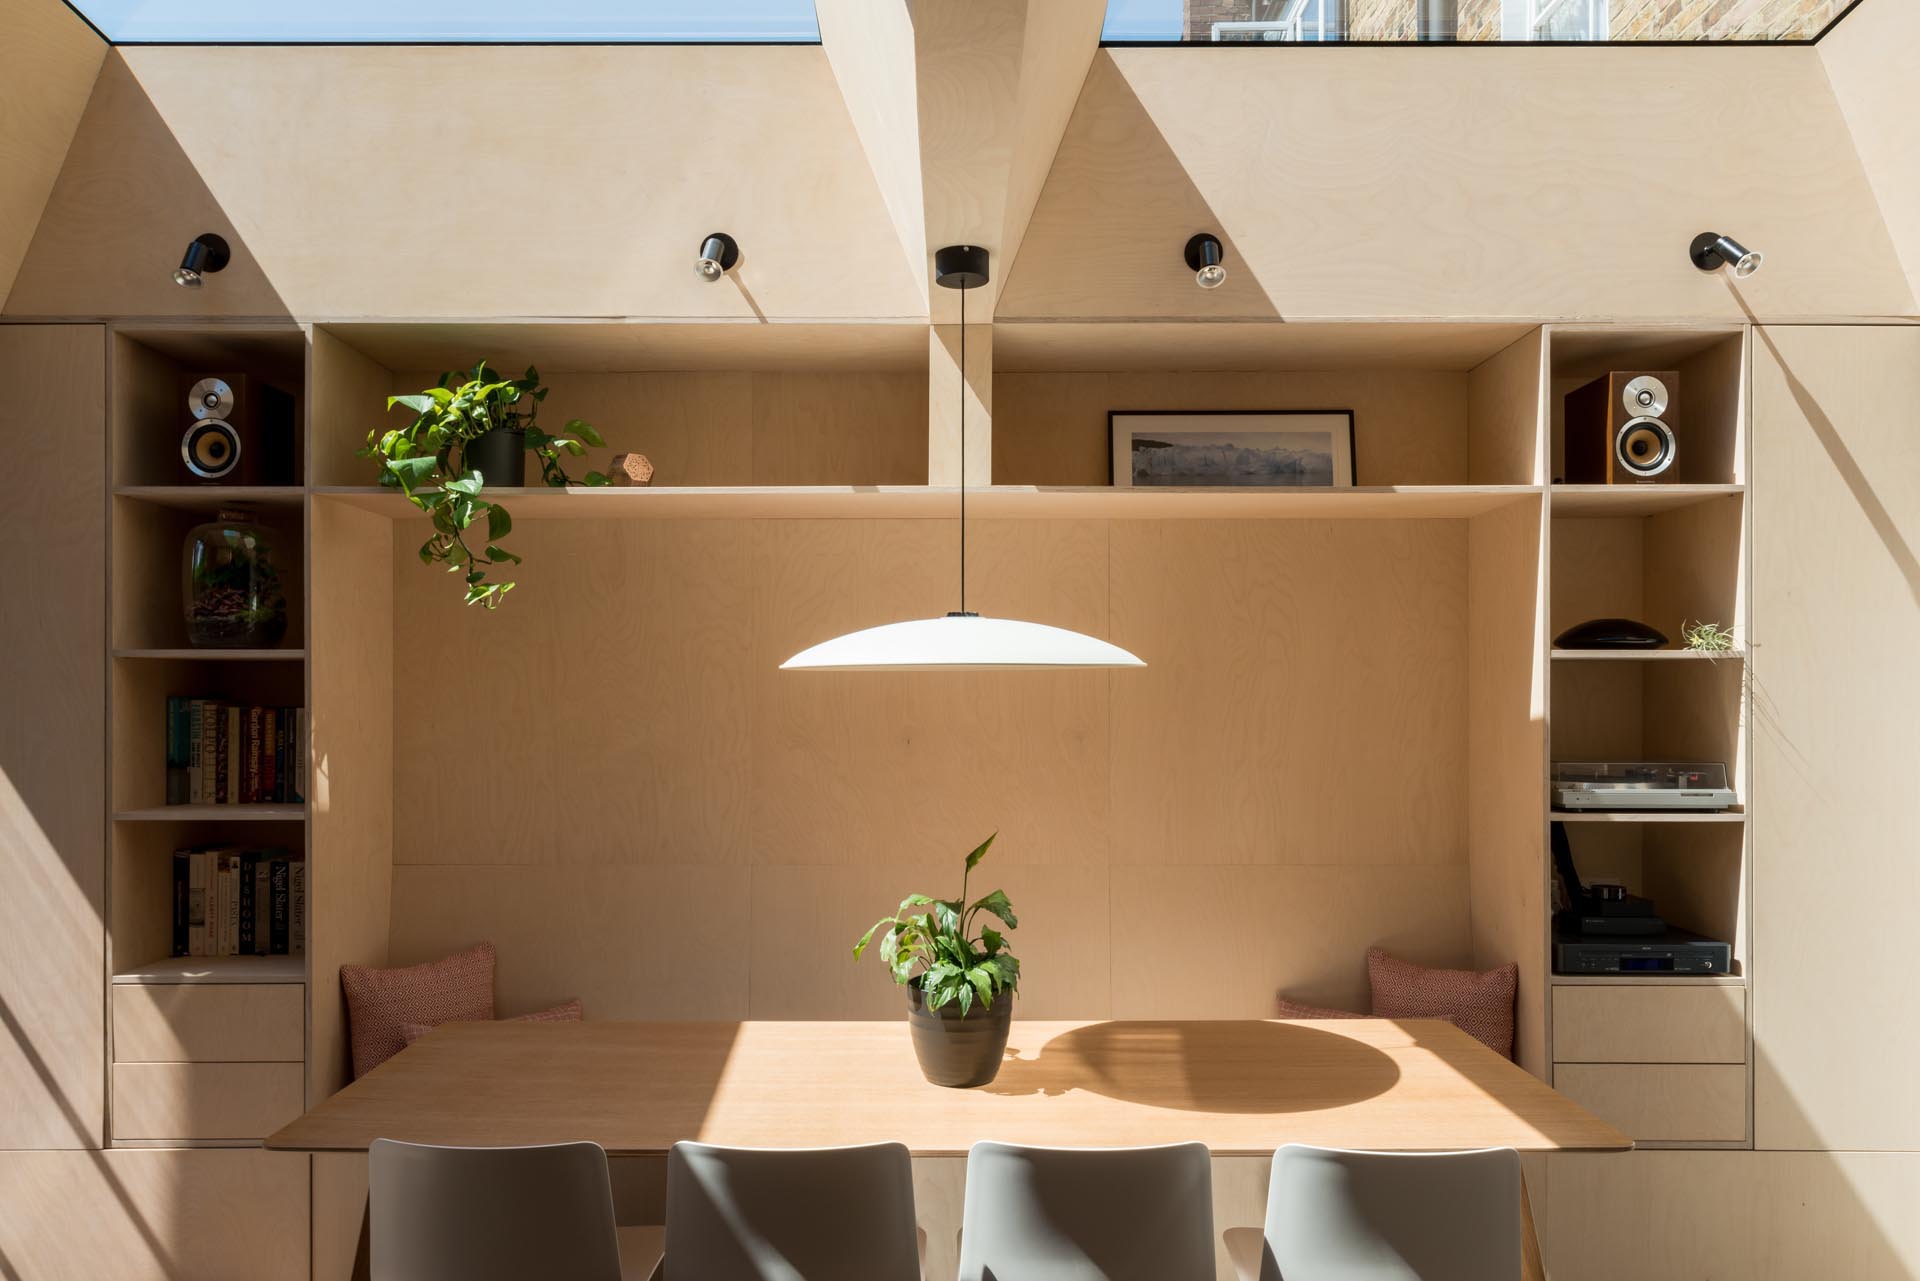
(1567, 20)
(1292, 21)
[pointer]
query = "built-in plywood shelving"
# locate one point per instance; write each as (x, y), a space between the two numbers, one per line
(1649, 816)
(1646, 656)
(214, 655)
(212, 814)
(1036, 502)
(205, 498)
(217, 969)
(1634, 500)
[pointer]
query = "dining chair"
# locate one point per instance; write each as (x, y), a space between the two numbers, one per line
(492, 1214)
(1334, 1215)
(790, 1214)
(1087, 1214)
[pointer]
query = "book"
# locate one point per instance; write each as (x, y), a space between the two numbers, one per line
(269, 757)
(209, 752)
(195, 780)
(182, 872)
(243, 943)
(250, 769)
(233, 754)
(277, 920)
(262, 905)
(297, 906)
(179, 787)
(197, 903)
(298, 795)
(229, 906)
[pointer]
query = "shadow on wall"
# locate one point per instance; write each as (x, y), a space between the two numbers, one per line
(1111, 126)
(127, 203)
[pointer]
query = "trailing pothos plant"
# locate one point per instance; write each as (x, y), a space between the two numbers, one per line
(427, 461)
(937, 950)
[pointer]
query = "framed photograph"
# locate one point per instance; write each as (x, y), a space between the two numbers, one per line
(1236, 448)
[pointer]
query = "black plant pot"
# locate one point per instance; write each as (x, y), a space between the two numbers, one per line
(500, 456)
(955, 1049)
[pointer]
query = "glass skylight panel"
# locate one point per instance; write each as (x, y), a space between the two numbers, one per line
(1463, 21)
(453, 21)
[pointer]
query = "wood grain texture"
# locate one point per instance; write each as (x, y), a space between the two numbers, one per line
(949, 383)
(1333, 652)
(1506, 752)
(1650, 1025)
(1460, 158)
(52, 780)
(1410, 426)
(1241, 1087)
(1836, 617)
(204, 1100)
(48, 68)
(199, 138)
(1762, 1216)
(346, 399)
(1662, 1102)
(351, 797)
(630, 942)
(211, 1023)
(1299, 931)
(155, 1215)
(1507, 404)
(1866, 65)
(1126, 346)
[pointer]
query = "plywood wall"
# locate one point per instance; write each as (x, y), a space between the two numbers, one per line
(1461, 183)
(1869, 60)
(52, 737)
(610, 778)
(47, 69)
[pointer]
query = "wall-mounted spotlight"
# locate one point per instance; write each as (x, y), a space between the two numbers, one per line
(1711, 250)
(718, 253)
(207, 254)
(1204, 258)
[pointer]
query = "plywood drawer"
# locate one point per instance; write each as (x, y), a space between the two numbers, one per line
(205, 1100)
(209, 1023)
(1652, 1024)
(1670, 1102)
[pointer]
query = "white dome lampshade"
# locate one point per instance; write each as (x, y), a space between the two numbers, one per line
(959, 642)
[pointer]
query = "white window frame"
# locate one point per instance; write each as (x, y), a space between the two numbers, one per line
(1292, 24)
(1541, 12)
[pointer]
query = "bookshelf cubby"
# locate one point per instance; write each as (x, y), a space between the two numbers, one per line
(151, 368)
(1709, 404)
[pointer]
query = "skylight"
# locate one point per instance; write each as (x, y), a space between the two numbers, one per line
(1464, 21)
(461, 22)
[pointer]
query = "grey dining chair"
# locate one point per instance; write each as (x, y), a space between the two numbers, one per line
(1386, 1216)
(1088, 1214)
(790, 1214)
(495, 1214)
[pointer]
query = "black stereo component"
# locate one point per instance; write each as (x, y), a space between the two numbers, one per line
(1672, 952)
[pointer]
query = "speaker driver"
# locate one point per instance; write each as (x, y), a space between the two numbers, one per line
(1644, 446)
(1644, 396)
(211, 398)
(211, 448)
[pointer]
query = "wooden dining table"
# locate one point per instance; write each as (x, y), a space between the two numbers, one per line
(1242, 1087)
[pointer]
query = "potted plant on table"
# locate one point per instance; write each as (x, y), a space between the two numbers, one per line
(461, 439)
(960, 985)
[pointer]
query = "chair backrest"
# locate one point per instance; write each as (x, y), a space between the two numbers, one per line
(1393, 1216)
(791, 1214)
(1069, 1214)
(490, 1214)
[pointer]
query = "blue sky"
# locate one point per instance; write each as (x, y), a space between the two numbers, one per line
(532, 20)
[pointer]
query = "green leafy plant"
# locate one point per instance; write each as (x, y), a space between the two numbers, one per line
(1707, 638)
(427, 461)
(938, 951)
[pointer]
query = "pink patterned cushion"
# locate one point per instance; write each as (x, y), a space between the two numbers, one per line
(566, 1012)
(1479, 1002)
(1300, 1010)
(380, 1001)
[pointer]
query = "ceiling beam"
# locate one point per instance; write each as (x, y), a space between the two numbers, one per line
(961, 105)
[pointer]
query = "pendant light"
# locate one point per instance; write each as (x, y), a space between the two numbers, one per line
(960, 640)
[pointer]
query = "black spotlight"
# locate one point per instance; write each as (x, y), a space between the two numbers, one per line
(718, 253)
(1204, 258)
(207, 254)
(1710, 251)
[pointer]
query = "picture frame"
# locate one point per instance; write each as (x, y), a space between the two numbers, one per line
(1231, 448)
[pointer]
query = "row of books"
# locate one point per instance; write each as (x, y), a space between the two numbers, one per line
(224, 754)
(229, 901)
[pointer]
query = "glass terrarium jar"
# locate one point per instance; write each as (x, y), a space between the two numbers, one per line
(233, 595)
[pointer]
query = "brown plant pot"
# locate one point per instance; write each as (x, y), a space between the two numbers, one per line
(955, 1049)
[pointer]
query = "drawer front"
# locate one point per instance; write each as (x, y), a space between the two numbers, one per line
(1650, 1024)
(205, 1100)
(209, 1023)
(1669, 1102)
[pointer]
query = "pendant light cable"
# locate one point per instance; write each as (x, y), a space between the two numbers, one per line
(963, 451)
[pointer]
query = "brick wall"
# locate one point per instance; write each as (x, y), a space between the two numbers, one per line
(1628, 19)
